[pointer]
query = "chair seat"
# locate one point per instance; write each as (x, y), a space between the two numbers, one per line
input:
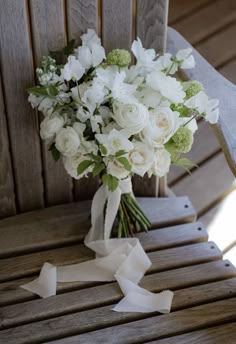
(204, 285)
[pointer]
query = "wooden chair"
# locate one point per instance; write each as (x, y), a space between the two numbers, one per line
(45, 214)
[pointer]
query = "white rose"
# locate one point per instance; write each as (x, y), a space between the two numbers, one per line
(163, 122)
(67, 141)
(117, 170)
(161, 163)
(141, 158)
(71, 164)
(50, 126)
(131, 117)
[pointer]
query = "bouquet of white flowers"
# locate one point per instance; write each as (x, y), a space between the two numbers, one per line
(105, 117)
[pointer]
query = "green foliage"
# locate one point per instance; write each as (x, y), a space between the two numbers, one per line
(98, 168)
(83, 166)
(49, 91)
(184, 163)
(103, 149)
(183, 110)
(110, 181)
(125, 162)
(55, 153)
(120, 153)
(69, 48)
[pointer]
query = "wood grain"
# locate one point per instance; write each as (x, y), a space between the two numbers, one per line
(17, 75)
(100, 317)
(69, 223)
(169, 324)
(48, 34)
(182, 8)
(228, 71)
(7, 195)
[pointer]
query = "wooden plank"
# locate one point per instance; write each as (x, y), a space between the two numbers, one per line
(101, 317)
(116, 24)
(48, 34)
(219, 48)
(182, 8)
(69, 223)
(158, 326)
(152, 23)
(229, 71)
(17, 75)
(221, 334)
(82, 15)
(204, 146)
(231, 254)
(7, 195)
(18, 267)
(207, 21)
(201, 188)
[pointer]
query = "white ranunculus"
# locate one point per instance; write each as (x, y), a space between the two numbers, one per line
(71, 163)
(114, 141)
(131, 117)
(67, 141)
(205, 106)
(168, 86)
(141, 158)
(73, 69)
(186, 59)
(161, 163)
(163, 122)
(50, 126)
(117, 170)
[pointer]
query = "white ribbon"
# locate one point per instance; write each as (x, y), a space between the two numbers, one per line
(123, 260)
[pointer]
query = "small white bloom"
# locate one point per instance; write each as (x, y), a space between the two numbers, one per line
(131, 117)
(168, 86)
(141, 158)
(165, 63)
(50, 126)
(162, 125)
(34, 100)
(73, 69)
(96, 122)
(82, 114)
(145, 57)
(205, 106)
(149, 97)
(67, 141)
(192, 123)
(90, 38)
(46, 106)
(161, 163)
(185, 58)
(114, 141)
(117, 170)
(71, 164)
(79, 128)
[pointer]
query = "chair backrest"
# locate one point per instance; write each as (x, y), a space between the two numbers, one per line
(29, 178)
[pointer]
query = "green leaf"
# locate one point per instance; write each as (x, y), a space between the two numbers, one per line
(83, 166)
(185, 163)
(125, 162)
(55, 153)
(97, 158)
(103, 149)
(37, 91)
(69, 48)
(52, 90)
(120, 152)
(99, 167)
(110, 181)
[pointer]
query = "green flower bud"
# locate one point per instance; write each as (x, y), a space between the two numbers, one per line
(119, 57)
(182, 140)
(192, 88)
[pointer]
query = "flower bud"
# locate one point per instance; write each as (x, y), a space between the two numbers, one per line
(192, 88)
(119, 57)
(182, 140)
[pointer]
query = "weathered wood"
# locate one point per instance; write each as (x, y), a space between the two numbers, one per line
(17, 75)
(205, 145)
(169, 324)
(69, 223)
(152, 23)
(202, 188)
(182, 8)
(48, 34)
(213, 17)
(101, 317)
(216, 87)
(7, 196)
(116, 24)
(213, 335)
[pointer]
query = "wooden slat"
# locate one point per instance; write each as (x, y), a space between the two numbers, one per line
(101, 317)
(152, 23)
(116, 24)
(182, 8)
(21, 266)
(219, 48)
(158, 326)
(7, 196)
(17, 75)
(67, 224)
(213, 17)
(229, 71)
(202, 188)
(81, 16)
(48, 34)
(213, 335)
(205, 145)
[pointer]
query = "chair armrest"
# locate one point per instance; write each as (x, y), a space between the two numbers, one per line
(216, 86)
